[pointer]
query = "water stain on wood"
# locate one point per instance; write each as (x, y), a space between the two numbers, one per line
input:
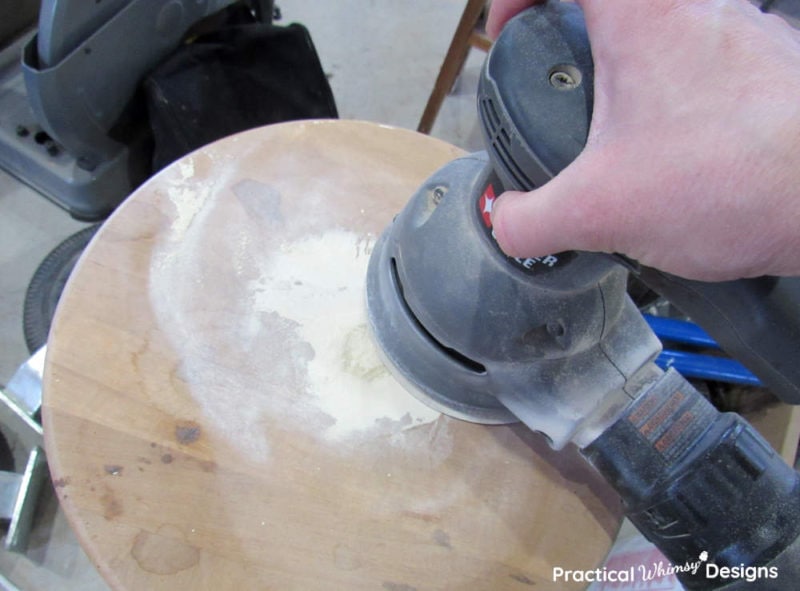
(523, 579)
(261, 202)
(165, 552)
(207, 465)
(112, 506)
(442, 538)
(187, 432)
(167, 459)
(61, 482)
(427, 517)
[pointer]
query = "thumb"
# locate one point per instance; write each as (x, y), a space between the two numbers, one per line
(558, 216)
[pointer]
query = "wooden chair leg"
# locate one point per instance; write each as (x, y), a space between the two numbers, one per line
(453, 63)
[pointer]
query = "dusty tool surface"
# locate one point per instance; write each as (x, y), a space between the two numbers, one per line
(217, 417)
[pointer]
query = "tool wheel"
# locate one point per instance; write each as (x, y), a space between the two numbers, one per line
(46, 286)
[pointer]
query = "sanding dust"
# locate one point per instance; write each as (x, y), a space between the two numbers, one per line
(274, 331)
(319, 283)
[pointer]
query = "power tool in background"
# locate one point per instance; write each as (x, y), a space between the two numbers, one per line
(557, 343)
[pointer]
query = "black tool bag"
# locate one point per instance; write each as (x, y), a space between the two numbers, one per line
(234, 78)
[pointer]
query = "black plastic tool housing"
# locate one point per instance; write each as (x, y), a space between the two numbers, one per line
(705, 488)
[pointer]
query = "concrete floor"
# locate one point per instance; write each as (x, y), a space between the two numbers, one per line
(382, 57)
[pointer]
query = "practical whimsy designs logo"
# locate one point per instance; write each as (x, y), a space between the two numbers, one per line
(658, 572)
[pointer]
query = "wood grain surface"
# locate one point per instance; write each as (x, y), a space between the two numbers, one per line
(216, 416)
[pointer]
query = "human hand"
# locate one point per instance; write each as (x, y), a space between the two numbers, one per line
(692, 164)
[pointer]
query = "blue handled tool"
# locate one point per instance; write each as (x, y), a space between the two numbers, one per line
(696, 365)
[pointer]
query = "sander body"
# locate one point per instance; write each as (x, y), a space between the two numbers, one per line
(555, 341)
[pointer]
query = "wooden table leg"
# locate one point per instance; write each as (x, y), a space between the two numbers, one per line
(453, 63)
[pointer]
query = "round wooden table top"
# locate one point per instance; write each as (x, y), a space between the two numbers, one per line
(216, 415)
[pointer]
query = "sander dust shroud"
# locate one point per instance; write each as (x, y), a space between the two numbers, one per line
(556, 342)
